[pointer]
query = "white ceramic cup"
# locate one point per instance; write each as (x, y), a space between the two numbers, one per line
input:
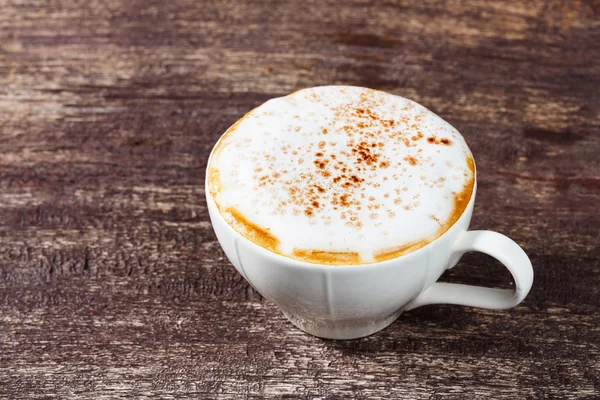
(348, 302)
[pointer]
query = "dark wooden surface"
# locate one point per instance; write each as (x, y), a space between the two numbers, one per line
(112, 284)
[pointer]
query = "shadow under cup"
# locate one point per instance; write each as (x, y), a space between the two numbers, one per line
(340, 302)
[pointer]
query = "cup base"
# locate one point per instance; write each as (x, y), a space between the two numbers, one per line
(341, 330)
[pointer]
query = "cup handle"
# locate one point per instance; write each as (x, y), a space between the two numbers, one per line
(502, 249)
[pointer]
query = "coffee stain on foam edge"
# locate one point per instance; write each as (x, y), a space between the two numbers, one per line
(327, 257)
(251, 231)
(238, 222)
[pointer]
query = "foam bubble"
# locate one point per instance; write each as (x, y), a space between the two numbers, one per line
(341, 175)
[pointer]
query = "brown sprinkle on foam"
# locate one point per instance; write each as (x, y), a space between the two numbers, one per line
(411, 160)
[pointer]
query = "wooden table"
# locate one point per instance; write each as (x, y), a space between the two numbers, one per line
(112, 284)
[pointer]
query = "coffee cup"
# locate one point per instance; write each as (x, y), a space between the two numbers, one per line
(350, 298)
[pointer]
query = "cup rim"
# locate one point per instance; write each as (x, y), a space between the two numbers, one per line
(211, 203)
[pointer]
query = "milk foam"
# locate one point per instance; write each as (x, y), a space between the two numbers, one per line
(342, 169)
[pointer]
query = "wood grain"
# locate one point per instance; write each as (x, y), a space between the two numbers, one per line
(112, 284)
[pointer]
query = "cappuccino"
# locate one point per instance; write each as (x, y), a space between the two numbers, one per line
(341, 175)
